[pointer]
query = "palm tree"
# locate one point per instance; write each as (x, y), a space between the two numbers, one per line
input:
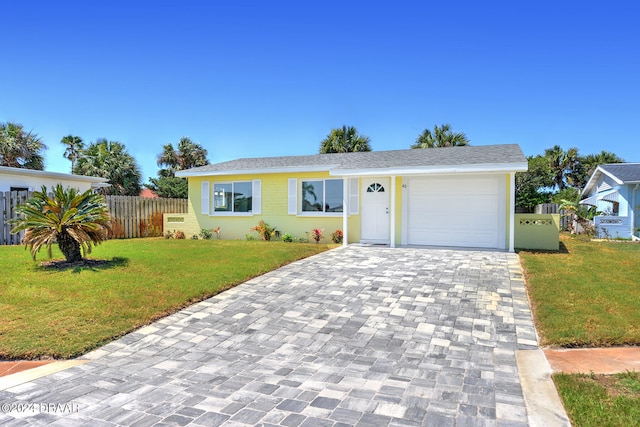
(72, 219)
(562, 164)
(187, 155)
(74, 148)
(586, 165)
(344, 140)
(442, 136)
(20, 149)
(109, 159)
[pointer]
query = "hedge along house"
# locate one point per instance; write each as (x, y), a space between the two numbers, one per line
(453, 196)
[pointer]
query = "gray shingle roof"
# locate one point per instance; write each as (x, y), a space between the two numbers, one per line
(503, 155)
(626, 172)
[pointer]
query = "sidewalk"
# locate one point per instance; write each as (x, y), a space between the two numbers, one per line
(577, 360)
(13, 367)
(597, 360)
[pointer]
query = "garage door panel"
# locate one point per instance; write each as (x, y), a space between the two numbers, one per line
(453, 211)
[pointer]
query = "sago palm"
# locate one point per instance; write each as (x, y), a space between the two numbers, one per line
(72, 219)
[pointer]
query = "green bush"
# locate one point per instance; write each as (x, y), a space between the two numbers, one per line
(206, 234)
(287, 237)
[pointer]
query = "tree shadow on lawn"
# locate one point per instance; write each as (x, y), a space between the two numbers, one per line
(84, 264)
(562, 249)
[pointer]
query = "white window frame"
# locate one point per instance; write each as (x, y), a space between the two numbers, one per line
(256, 198)
(324, 193)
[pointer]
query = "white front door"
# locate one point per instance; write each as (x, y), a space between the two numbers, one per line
(375, 210)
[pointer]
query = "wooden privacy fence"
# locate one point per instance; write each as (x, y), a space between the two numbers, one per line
(554, 208)
(131, 216)
(9, 201)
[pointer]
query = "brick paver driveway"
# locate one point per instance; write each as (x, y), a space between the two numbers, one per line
(355, 336)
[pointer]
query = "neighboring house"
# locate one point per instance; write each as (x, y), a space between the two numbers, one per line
(148, 194)
(18, 179)
(454, 196)
(614, 190)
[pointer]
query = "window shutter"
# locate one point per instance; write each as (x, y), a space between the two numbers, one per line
(354, 190)
(205, 197)
(256, 201)
(293, 197)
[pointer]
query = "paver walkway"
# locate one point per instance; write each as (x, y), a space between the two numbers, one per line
(355, 336)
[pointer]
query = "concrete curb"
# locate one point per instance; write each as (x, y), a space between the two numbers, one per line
(544, 407)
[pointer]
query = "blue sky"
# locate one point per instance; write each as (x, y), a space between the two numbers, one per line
(256, 78)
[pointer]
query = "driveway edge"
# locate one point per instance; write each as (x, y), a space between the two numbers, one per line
(544, 407)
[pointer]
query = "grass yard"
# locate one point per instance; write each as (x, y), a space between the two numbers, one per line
(586, 296)
(48, 313)
(601, 400)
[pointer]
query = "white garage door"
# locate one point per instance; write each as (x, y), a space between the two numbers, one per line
(455, 211)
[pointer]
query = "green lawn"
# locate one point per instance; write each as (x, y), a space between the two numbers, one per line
(64, 313)
(601, 400)
(589, 295)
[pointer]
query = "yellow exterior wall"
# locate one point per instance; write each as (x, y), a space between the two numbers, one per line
(274, 195)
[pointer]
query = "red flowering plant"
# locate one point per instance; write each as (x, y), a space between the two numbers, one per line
(337, 236)
(316, 234)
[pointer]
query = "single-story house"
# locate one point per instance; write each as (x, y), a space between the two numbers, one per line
(453, 196)
(613, 190)
(19, 179)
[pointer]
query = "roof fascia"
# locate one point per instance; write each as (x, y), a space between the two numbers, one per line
(47, 174)
(334, 170)
(612, 176)
(187, 174)
(595, 177)
(479, 168)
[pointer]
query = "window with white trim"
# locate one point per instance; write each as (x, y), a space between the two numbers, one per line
(233, 197)
(322, 195)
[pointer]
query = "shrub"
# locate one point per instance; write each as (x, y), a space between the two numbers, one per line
(194, 237)
(250, 237)
(206, 234)
(316, 234)
(168, 234)
(265, 231)
(337, 236)
(180, 235)
(287, 237)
